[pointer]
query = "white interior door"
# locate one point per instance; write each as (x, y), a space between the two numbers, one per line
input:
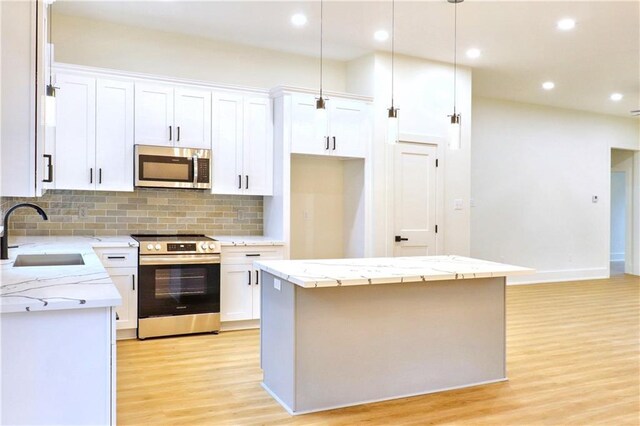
(154, 115)
(258, 146)
(114, 135)
(75, 144)
(227, 144)
(193, 118)
(414, 200)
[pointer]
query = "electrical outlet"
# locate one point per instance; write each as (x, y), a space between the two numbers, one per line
(277, 284)
(457, 204)
(82, 211)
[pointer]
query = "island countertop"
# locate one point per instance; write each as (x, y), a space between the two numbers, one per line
(58, 287)
(385, 270)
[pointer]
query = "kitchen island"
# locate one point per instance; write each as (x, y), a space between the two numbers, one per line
(337, 333)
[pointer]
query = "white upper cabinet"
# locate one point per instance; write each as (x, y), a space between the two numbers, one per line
(193, 118)
(169, 116)
(349, 127)
(242, 144)
(93, 146)
(154, 115)
(114, 135)
(258, 146)
(227, 143)
(343, 130)
(75, 136)
(308, 128)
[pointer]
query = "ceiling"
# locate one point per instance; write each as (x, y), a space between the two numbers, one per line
(521, 46)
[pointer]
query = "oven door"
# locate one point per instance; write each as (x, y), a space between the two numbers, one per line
(178, 285)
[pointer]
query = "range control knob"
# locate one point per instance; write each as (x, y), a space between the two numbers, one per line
(149, 246)
(157, 247)
(203, 246)
(212, 246)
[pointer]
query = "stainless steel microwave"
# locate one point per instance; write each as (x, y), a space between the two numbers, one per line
(168, 167)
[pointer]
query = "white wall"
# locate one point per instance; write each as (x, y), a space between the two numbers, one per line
(424, 95)
(534, 172)
(618, 215)
(108, 45)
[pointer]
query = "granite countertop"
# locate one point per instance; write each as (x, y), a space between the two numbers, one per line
(246, 240)
(385, 270)
(41, 288)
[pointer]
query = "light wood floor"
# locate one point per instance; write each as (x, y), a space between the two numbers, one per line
(573, 358)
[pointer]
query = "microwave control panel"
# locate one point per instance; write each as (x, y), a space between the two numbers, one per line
(203, 170)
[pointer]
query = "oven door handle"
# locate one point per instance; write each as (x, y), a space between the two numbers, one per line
(180, 260)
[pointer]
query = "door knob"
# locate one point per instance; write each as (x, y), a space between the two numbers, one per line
(399, 239)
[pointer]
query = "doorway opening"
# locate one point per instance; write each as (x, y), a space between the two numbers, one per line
(621, 222)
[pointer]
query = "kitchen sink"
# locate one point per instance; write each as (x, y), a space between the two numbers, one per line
(63, 259)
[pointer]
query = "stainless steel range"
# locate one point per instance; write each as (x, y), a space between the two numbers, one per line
(179, 285)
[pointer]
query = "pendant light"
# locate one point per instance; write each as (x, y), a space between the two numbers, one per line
(321, 107)
(49, 117)
(392, 123)
(454, 126)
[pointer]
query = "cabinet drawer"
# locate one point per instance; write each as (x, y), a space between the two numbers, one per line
(237, 255)
(118, 258)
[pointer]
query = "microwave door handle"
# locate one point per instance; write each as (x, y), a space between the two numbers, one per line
(195, 169)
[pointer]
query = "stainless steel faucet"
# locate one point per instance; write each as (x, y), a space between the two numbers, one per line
(4, 242)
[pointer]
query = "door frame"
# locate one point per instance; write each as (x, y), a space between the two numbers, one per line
(439, 143)
(632, 225)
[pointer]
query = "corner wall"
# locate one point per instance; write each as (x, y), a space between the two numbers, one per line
(424, 96)
(534, 171)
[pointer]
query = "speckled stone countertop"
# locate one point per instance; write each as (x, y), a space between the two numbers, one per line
(385, 270)
(241, 241)
(39, 288)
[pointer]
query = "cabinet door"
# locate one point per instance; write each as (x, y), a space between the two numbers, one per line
(236, 292)
(193, 118)
(349, 125)
(257, 282)
(154, 115)
(258, 146)
(114, 135)
(125, 281)
(75, 139)
(227, 144)
(308, 128)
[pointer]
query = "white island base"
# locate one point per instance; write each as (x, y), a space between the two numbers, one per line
(338, 346)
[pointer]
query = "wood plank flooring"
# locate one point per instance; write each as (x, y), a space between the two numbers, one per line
(573, 358)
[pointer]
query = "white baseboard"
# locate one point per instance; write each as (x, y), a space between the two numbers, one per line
(561, 275)
(617, 257)
(239, 325)
(128, 333)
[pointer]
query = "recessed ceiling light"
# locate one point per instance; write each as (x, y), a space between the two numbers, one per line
(298, 19)
(473, 53)
(566, 24)
(616, 97)
(548, 85)
(381, 35)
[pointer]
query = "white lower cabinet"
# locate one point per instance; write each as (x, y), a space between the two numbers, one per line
(240, 281)
(122, 266)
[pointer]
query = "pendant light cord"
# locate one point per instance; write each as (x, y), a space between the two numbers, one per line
(455, 53)
(50, 43)
(321, 35)
(393, 40)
